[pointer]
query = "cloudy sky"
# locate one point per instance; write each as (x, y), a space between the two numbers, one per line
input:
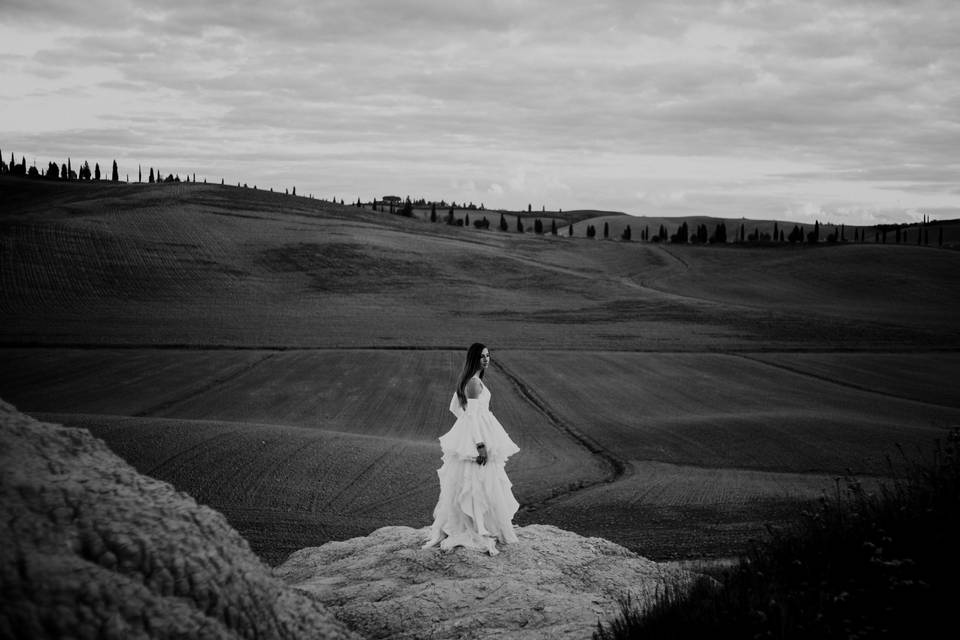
(838, 111)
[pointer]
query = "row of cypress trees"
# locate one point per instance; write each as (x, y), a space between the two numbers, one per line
(54, 171)
(65, 171)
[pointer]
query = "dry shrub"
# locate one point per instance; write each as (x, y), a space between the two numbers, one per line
(863, 564)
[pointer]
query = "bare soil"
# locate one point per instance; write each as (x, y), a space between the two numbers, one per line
(290, 361)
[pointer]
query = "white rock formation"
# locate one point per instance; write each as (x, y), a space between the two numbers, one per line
(89, 548)
(552, 584)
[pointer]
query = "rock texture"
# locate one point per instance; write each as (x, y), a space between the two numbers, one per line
(92, 549)
(552, 584)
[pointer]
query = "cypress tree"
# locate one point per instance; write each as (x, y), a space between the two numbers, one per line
(116, 173)
(606, 230)
(570, 230)
(553, 227)
(503, 223)
(519, 224)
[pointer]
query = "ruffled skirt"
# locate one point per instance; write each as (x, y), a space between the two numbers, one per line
(476, 506)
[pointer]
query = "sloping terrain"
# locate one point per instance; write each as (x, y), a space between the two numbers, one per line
(206, 265)
(93, 549)
(290, 361)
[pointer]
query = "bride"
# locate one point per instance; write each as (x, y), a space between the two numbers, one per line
(476, 505)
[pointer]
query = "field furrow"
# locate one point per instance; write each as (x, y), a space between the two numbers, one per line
(920, 377)
(715, 410)
(197, 390)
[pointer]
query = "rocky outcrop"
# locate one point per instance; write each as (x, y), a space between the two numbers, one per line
(552, 584)
(92, 549)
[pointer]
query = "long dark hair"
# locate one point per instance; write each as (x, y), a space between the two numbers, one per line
(470, 366)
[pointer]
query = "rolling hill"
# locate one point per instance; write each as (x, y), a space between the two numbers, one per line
(289, 361)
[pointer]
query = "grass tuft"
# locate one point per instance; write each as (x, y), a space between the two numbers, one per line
(878, 563)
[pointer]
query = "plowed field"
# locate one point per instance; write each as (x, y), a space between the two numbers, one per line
(290, 361)
(732, 411)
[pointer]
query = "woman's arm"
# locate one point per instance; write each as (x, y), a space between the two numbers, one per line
(472, 390)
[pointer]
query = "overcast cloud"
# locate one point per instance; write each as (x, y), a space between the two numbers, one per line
(841, 111)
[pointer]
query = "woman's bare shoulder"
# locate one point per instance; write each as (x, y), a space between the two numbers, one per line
(473, 388)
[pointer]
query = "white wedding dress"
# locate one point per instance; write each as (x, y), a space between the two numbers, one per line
(476, 505)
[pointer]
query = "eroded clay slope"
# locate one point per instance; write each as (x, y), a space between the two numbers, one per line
(92, 549)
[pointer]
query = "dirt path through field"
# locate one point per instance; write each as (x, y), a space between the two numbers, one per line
(617, 466)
